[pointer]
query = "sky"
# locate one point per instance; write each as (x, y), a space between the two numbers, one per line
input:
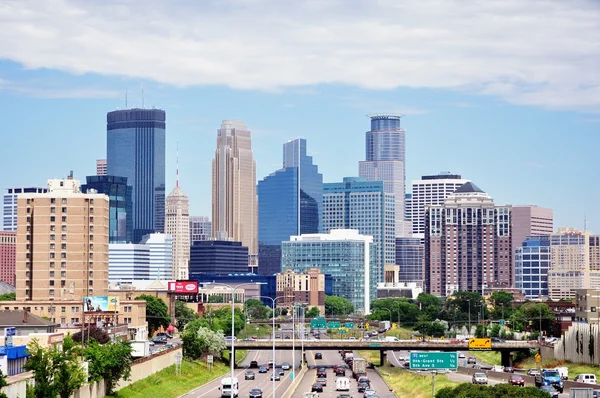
(505, 93)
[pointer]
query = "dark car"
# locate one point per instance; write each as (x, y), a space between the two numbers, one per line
(509, 369)
(362, 387)
(280, 371)
(262, 369)
(471, 360)
(550, 390)
(317, 387)
(321, 373)
(318, 355)
(344, 396)
(160, 340)
(253, 364)
(249, 375)
(516, 380)
(256, 393)
(340, 372)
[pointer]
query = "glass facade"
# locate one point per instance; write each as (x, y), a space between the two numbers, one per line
(532, 262)
(200, 229)
(121, 205)
(289, 203)
(9, 206)
(161, 255)
(385, 141)
(218, 257)
(410, 257)
(135, 149)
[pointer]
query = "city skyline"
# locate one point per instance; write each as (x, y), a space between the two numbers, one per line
(516, 116)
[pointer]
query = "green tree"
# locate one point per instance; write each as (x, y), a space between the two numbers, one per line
(199, 340)
(495, 330)
(313, 312)
(430, 304)
(481, 331)
(531, 315)
(8, 297)
(335, 305)
(502, 302)
(111, 362)
(157, 313)
(257, 310)
(92, 333)
(3, 383)
(69, 373)
(41, 363)
(183, 315)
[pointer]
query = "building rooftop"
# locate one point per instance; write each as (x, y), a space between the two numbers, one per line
(468, 187)
(22, 318)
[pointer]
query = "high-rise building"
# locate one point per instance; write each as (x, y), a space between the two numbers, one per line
(135, 149)
(9, 221)
(62, 243)
(468, 244)
(161, 255)
(200, 229)
(307, 288)
(410, 257)
(431, 190)
(408, 207)
(121, 204)
(289, 203)
(8, 256)
(218, 257)
(177, 224)
(234, 207)
(385, 161)
(363, 205)
(344, 254)
(532, 263)
(128, 262)
(100, 167)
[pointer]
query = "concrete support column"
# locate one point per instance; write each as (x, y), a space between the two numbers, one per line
(382, 357)
(507, 359)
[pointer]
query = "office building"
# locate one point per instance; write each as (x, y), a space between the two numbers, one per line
(200, 229)
(468, 244)
(289, 203)
(346, 255)
(385, 161)
(410, 257)
(307, 288)
(8, 256)
(218, 257)
(392, 287)
(364, 206)
(135, 149)
(128, 262)
(9, 220)
(177, 224)
(431, 190)
(121, 204)
(161, 255)
(101, 167)
(62, 243)
(234, 201)
(532, 263)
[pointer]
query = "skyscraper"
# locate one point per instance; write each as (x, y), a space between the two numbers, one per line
(289, 203)
(385, 161)
(532, 263)
(100, 167)
(136, 149)
(234, 208)
(200, 229)
(363, 205)
(8, 259)
(9, 222)
(177, 224)
(161, 255)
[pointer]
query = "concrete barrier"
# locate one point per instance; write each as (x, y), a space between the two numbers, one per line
(381, 374)
(292, 387)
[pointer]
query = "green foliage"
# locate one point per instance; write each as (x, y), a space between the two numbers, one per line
(313, 312)
(92, 333)
(257, 310)
(111, 362)
(481, 331)
(40, 362)
(183, 315)
(495, 330)
(402, 310)
(430, 304)
(199, 340)
(284, 312)
(427, 328)
(8, 297)
(529, 314)
(335, 305)
(3, 383)
(157, 313)
(466, 390)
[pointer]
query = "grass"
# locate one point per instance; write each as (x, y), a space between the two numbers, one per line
(574, 368)
(401, 332)
(239, 355)
(264, 331)
(408, 384)
(489, 357)
(166, 384)
(370, 356)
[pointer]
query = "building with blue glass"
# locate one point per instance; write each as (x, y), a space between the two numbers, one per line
(218, 257)
(532, 263)
(135, 149)
(410, 257)
(120, 205)
(289, 203)
(363, 205)
(9, 206)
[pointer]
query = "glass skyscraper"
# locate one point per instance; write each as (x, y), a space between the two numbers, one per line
(532, 263)
(136, 150)
(121, 206)
(289, 203)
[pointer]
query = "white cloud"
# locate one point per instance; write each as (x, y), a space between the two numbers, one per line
(534, 52)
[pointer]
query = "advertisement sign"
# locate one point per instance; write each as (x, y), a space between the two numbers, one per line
(101, 303)
(184, 287)
(9, 333)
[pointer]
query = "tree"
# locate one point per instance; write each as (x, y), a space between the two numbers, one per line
(257, 310)
(157, 313)
(111, 362)
(183, 315)
(335, 305)
(313, 312)
(3, 383)
(502, 302)
(8, 297)
(40, 362)
(530, 315)
(199, 339)
(92, 333)
(430, 304)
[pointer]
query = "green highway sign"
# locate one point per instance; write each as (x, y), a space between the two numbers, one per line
(433, 360)
(349, 325)
(318, 323)
(374, 345)
(334, 325)
(343, 331)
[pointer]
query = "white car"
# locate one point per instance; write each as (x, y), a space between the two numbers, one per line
(285, 366)
(479, 378)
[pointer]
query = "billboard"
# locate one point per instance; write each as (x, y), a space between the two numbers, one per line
(184, 287)
(101, 303)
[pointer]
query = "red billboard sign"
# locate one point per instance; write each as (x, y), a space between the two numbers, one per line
(184, 287)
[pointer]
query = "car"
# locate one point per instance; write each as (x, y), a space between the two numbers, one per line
(362, 387)
(249, 375)
(280, 371)
(477, 366)
(160, 340)
(255, 393)
(364, 379)
(509, 369)
(317, 387)
(318, 355)
(275, 376)
(516, 380)
(497, 340)
(322, 380)
(550, 390)
(550, 377)
(229, 339)
(253, 364)
(533, 372)
(479, 378)
(369, 392)
(344, 396)
(340, 372)
(262, 369)
(596, 394)
(461, 355)
(167, 335)
(374, 333)
(285, 366)
(471, 360)
(271, 362)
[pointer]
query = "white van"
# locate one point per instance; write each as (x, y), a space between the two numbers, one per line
(342, 384)
(391, 338)
(229, 389)
(587, 378)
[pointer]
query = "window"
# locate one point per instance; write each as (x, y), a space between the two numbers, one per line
(91, 264)
(28, 219)
(63, 255)
(91, 274)
(51, 282)
(64, 201)
(91, 255)
(52, 236)
(27, 283)
(63, 246)
(51, 274)
(28, 237)
(63, 309)
(52, 219)
(52, 200)
(51, 255)
(51, 246)
(91, 210)
(51, 264)
(91, 246)
(63, 320)
(28, 246)
(91, 283)
(64, 209)
(63, 283)
(63, 237)
(91, 201)
(28, 210)
(64, 218)
(74, 320)
(52, 228)
(63, 264)
(74, 309)
(127, 320)
(63, 274)
(91, 228)
(53, 210)
(51, 292)
(28, 201)
(91, 219)
(63, 228)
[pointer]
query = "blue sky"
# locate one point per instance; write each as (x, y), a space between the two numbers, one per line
(505, 93)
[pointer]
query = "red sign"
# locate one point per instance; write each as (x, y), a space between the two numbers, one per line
(184, 287)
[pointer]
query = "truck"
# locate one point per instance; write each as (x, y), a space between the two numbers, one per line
(229, 388)
(549, 377)
(385, 325)
(359, 367)
(140, 349)
(576, 392)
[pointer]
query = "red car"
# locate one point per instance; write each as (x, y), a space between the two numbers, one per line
(516, 380)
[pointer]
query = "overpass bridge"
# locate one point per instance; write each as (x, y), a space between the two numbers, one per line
(506, 348)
